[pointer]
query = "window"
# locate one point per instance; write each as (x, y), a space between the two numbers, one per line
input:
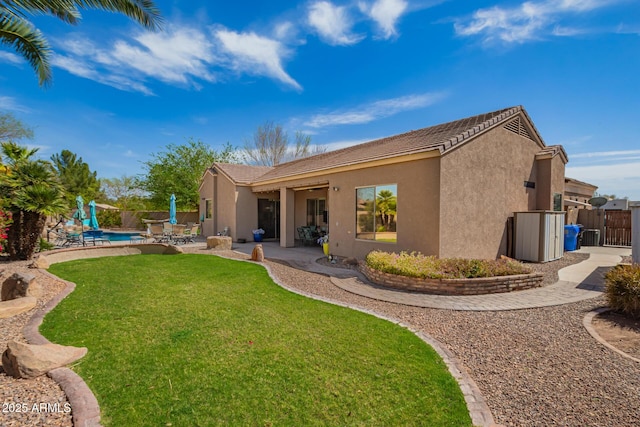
(557, 202)
(316, 212)
(208, 209)
(376, 213)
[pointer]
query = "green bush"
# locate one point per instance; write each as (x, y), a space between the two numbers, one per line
(45, 246)
(623, 289)
(109, 218)
(415, 264)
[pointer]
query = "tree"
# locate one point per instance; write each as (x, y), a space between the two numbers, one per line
(386, 204)
(17, 32)
(270, 146)
(76, 177)
(30, 191)
(178, 171)
(12, 129)
(123, 192)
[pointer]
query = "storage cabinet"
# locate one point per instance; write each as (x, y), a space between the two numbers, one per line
(539, 235)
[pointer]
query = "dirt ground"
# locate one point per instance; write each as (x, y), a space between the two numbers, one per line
(620, 331)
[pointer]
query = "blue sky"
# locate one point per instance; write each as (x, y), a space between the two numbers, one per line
(343, 71)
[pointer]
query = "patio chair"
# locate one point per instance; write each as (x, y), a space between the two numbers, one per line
(191, 232)
(157, 233)
(304, 234)
(178, 235)
(94, 237)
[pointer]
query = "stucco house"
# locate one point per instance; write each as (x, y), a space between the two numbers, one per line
(446, 190)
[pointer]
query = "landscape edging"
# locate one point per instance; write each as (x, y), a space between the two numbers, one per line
(473, 286)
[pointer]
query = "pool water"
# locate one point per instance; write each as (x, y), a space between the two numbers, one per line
(114, 236)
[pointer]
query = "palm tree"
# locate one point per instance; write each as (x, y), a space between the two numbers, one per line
(16, 31)
(30, 191)
(386, 203)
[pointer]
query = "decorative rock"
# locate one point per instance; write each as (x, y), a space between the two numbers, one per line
(40, 262)
(16, 306)
(20, 285)
(350, 261)
(22, 360)
(257, 254)
(219, 242)
(173, 250)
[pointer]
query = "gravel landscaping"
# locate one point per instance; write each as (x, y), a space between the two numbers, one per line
(535, 367)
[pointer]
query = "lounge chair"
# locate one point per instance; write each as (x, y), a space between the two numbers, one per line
(191, 233)
(178, 234)
(157, 233)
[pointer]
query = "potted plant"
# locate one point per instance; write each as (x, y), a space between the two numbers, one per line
(257, 235)
(324, 241)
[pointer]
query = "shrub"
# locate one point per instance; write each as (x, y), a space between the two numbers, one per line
(109, 218)
(623, 289)
(45, 246)
(5, 221)
(415, 264)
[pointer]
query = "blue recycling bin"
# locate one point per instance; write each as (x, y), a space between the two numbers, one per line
(571, 237)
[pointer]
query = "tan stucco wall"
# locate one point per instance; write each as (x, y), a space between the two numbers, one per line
(557, 177)
(224, 206)
(246, 214)
(206, 192)
(418, 201)
(482, 185)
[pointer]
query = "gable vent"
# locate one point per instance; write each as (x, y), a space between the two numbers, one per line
(516, 126)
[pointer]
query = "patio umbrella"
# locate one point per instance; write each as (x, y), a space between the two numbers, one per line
(80, 215)
(172, 210)
(93, 221)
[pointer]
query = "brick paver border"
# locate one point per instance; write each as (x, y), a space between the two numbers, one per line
(85, 409)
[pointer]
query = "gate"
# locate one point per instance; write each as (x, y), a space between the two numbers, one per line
(617, 226)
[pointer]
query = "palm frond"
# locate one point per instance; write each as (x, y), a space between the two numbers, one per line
(64, 10)
(40, 198)
(28, 42)
(145, 12)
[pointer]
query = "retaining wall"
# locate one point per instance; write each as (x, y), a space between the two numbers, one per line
(476, 286)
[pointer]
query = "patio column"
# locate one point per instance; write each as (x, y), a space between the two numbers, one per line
(287, 215)
(635, 234)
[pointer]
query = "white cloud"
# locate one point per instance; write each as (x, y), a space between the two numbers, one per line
(526, 22)
(11, 58)
(254, 54)
(622, 154)
(332, 23)
(9, 103)
(385, 13)
(376, 110)
(178, 55)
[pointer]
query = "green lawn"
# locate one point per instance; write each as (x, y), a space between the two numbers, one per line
(197, 340)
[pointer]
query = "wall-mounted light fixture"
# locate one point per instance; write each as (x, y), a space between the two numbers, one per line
(336, 188)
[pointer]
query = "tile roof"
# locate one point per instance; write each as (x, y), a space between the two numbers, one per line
(443, 138)
(241, 174)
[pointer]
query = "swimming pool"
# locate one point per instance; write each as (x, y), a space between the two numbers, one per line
(113, 236)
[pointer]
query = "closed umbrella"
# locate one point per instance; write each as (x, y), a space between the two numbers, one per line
(172, 210)
(80, 215)
(93, 221)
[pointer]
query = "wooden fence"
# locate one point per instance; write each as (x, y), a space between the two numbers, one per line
(131, 219)
(617, 226)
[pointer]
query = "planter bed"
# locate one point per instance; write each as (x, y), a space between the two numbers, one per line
(475, 286)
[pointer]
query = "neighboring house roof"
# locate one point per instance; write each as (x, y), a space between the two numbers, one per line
(568, 180)
(107, 207)
(440, 138)
(241, 174)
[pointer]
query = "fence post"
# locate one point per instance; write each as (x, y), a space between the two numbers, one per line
(635, 234)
